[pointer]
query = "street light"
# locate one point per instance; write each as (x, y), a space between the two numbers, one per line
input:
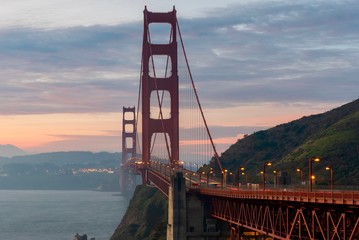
(330, 168)
(224, 177)
(301, 175)
(264, 173)
(275, 177)
(200, 177)
(233, 178)
(190, 178)
(311, 176)
(239, 173)
(210, 171)
(246, 178)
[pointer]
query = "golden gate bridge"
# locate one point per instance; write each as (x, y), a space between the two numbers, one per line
(176, 150)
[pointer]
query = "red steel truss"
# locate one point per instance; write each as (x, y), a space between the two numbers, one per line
(286, 218)
(276, 214)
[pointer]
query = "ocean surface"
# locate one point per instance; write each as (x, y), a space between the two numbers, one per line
(59, 215)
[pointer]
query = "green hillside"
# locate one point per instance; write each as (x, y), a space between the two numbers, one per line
(333, 136)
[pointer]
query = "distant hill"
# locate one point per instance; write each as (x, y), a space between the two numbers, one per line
(61, 170)
(333, 136)
(62, 158)
(10, 151)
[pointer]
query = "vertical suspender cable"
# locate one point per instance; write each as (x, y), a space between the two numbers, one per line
(198, 102)
(138, 107)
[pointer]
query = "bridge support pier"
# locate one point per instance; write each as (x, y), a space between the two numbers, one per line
(177, 218)
(188, 215)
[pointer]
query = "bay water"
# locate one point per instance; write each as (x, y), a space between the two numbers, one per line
(59, 215)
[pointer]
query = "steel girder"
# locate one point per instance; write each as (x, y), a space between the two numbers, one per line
(284, 220)
(160, 181)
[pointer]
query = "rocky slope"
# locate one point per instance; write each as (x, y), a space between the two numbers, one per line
(145, 218)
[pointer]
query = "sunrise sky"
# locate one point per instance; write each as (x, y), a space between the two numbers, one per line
(68, 67)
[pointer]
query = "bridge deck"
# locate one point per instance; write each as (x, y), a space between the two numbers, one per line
(160, 176)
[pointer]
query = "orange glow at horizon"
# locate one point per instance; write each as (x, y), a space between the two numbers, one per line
(49, 132)
(223, 140)
(263, 114)
(30, 131)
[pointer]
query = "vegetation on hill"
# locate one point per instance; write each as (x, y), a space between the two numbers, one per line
(332, 136)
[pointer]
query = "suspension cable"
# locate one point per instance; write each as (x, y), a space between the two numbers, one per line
(198, 102)
(138, 106)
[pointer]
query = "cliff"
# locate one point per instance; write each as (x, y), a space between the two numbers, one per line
(145, 218)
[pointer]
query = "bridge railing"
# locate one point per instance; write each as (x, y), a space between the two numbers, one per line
(328, 197)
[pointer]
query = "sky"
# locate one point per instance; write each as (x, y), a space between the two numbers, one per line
(68, 67)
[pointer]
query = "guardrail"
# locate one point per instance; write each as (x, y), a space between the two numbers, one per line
(325, 197)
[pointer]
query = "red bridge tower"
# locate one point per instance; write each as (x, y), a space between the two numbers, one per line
(128, 179)
(153, 84)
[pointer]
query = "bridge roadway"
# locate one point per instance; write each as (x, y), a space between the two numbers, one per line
(160, 174)
(276, 213)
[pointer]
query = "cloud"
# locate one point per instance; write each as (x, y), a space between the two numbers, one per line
(250, 52)
(275, 51)
(67, 13)
(83, 69)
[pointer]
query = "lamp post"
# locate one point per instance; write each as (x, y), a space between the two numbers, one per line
(168, 169)
(275, 178)
(181, 165)
(200, 177)
(264, 174)
(330, 168)
(301, 176)
(210, 171)
(311, 176)
(239, 173)
(245, 177)
(224, 177)
(233, 179)
(190, 178)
